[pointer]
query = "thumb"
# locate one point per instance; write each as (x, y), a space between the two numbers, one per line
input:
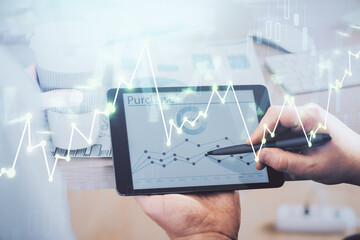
(151, 205)
(284, 161)
(141, 200)
(62, 98)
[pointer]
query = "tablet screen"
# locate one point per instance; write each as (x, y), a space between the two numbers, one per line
(168, 142)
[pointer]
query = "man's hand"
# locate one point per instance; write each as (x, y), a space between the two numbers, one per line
(195, 216)
(336, 162)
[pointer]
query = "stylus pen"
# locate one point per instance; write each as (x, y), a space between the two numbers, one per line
(292, 144)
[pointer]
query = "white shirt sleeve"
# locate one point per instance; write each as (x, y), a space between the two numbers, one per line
(31, 207)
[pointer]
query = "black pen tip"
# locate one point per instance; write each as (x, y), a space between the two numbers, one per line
(208, 153)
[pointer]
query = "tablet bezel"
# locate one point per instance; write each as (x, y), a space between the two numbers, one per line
(121, 155)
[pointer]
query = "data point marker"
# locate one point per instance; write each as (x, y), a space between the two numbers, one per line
(11, 173)
(110, 108)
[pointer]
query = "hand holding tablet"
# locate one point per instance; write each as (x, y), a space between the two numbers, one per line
(160, 139)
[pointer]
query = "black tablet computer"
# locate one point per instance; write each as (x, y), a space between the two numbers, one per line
(160, 137)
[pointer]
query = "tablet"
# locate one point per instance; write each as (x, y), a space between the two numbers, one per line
(160, 137)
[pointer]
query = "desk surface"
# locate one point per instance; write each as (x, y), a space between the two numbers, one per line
(114, 217)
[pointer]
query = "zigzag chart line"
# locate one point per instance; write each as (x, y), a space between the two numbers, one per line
(10, 172)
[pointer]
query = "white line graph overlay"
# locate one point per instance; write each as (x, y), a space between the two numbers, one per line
(168, 127)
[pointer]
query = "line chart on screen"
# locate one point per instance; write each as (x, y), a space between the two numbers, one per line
(170, 126)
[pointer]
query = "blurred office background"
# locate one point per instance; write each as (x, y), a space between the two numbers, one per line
(97, 212)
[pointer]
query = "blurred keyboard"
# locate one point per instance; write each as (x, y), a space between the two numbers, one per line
(309, 72)
(94, 151)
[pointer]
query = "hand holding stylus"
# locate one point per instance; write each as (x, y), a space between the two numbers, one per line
(336, 162)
